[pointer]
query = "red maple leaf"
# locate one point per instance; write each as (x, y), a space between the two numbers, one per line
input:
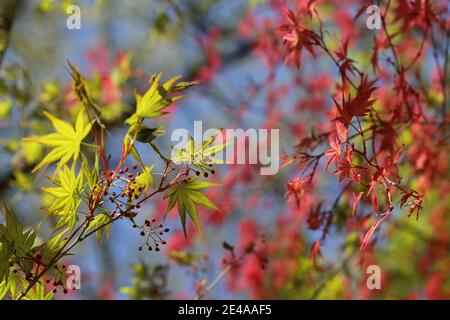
(296, 37)
(296, 189)
(415, 13)
(358, 105)
(344, 167)
(365, 241)
(356, 199)
(341, 131)
(334, 152)
(346, 64)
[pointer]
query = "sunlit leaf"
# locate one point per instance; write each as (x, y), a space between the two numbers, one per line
(187, 197)
(65, 141)
(157, 98)
(69, 186)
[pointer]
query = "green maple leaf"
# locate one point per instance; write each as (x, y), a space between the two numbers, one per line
(65, 141)
(157, 98)
(12, 285)
(199, 156)
(67, 192)
(187, 197)
(39, 292)
(99, 221)
(14, 242)
(145, 179)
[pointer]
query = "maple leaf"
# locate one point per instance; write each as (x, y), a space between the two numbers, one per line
(100, 220)
(145, 134)
(405, 198)
(296, 189)
(359, 105)
(373, 187)
(344, 167)
(315, 217)
(341, 131)
(200, 156)
(296, 37)
(65, 141)
(157, 98)
(69, 186)
(379, 44)
(39, 292)
(144, 180)
(334, 152)
(187, 197)
(82, 90)
(414, 204)
(416, 13)
(356, 199)
(346, 64)
(14, 242)
(366, 239)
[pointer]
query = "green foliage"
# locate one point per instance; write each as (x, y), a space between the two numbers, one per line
(200, 156)
(83, 91)
(12, 285)
(97, 223)
(53, 246)
(91, 95)
(157, 98)
(82, 183)
(15, 244)
(145, 134)
(145, 179)
(66, 193)
(65, 141)
(90, 174)
(38, 292)
(187, 197)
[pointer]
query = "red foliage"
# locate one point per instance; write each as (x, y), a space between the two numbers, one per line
(380, 120)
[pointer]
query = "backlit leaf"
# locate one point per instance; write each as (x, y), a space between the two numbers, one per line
(65, 141)
(187, 198)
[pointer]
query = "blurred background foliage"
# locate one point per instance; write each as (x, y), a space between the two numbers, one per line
(120, 44)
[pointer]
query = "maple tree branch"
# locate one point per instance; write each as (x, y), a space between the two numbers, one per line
(333, 58)
(54, 260)
(419, 52)
(65, 248)
(215, 281)
(398, 66)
